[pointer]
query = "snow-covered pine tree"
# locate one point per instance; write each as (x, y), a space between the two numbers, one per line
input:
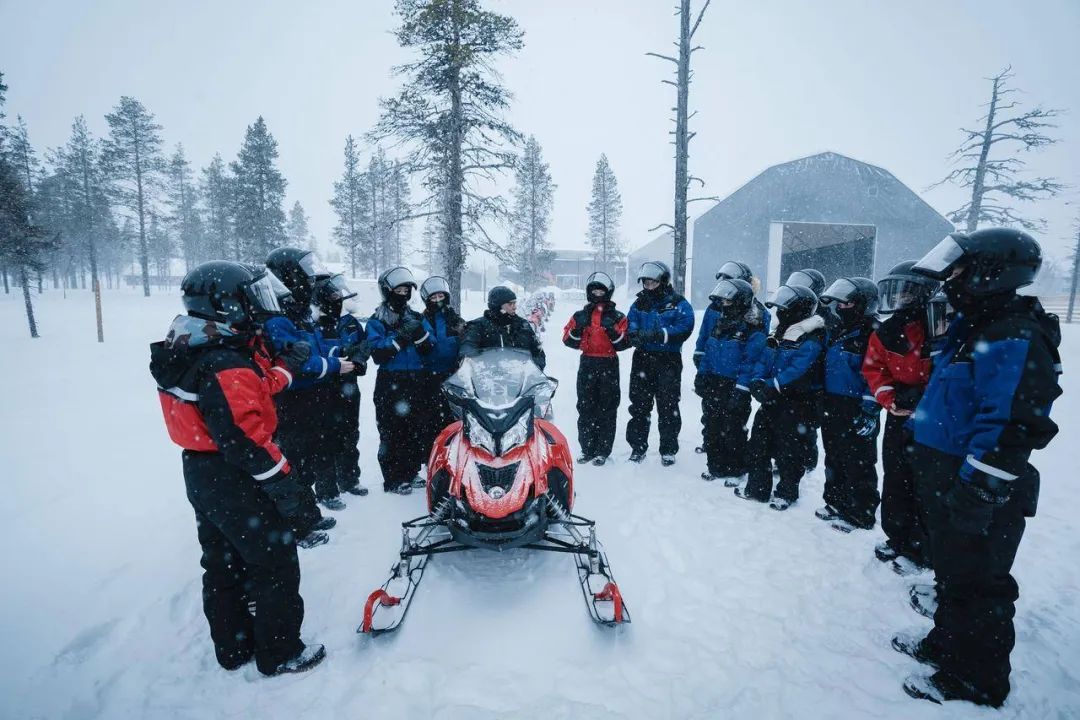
(378, 230)
(217, 201)
(398, 204)
(133, 158)
(990, 165)
(530, 219)
(183, 219)
(297, 231)
(162, 248)
(605, 216)
(350, 204)
(259, 194)
(450, 111)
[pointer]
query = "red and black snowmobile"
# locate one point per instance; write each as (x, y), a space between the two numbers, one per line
(501, 477)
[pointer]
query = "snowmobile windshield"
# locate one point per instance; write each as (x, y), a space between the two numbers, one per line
(499, 377)
(940, 261)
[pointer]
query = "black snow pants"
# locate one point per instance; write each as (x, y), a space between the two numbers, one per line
(402, 413)
(248, 554)
(437, 410)
(724, 412)
(902, 517)
(851, 482)
(308, 436)
(655, 376)
(973, 631)
(778, 434)
(598, 396)
(342, 437)
(810, 438)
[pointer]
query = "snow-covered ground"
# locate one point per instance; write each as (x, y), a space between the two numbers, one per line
(738, 611)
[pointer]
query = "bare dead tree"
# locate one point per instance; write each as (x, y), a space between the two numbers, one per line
(988, 162)
(1075, 274)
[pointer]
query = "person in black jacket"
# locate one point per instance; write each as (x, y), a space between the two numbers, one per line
(986, 408)
(215, 382)
(501, 326)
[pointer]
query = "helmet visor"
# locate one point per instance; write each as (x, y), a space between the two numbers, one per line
(724, 290)
(841, 291)
(397, 277)
(940, 261)
(313, 267)
(280, 291)
(432, 285)
(263, 296)
(786, 296)
(600, 278)
(652, 271)
(337, 288)
(900, 294)
(937, 315)
(732, 270)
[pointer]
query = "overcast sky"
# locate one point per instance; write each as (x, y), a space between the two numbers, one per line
(885, 82)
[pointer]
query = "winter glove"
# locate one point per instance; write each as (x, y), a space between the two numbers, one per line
(971, 505)
(282, 489)
(654, 335)
(697, 360)
(581, 320)
(359, 352)
(764, 391)
(906, 397)
(456, 328)
(411, 330)
(866, 423)
(295, 355)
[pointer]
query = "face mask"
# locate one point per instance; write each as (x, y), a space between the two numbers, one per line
(398, 301)
(435, 305)
(788, 317)
(850, 316)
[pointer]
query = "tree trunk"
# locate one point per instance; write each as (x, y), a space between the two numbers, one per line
(1072, 285)
(3, 271)
(455, 250)
(28, 302)
(682, 149)
(40, 289)
(144, 249)
(978, 187)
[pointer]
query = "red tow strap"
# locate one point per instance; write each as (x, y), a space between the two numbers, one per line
(611, 592)
(381, 597)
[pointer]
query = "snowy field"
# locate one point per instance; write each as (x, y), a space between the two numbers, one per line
(739, 612)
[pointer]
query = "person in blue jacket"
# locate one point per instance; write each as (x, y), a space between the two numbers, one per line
(445, 327)
(398, 341)
(986, 408)
(301, 422)
(851, 417)
(658, 324)
(726, 355)
(341, 400)
(787, 382)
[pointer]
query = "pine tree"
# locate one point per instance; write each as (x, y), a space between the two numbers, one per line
(400, 208)
(217, 200)
(184, 221)
(605, 214)
(161, 248)
(530, 220)
(450, 111)
(133, 158)
(297, 232)
(259, 194)
(350, 204)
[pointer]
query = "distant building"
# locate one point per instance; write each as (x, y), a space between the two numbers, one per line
(828, 211)
(570, 268)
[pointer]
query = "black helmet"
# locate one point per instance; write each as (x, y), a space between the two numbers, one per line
(229, 292)
(808, 277)
(394, 278)
(331, 293)
(793, 303)
(654, 270)
(600, 281)
(499, 296)
(299, 269)
(734, 270)
(858, 290)
(993, 261)
(738, 292)
(434, 284)
(903, 288)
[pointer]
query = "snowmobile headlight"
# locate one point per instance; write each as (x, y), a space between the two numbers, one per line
(478, 435)
(517, 434)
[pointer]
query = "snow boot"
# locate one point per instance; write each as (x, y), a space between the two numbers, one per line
(886, 551)
(741, 493)
(699, 450)
(404, 488)
(779, 504)
(357, 489)
(941, 687)
(841, 525)
(600, 460)
(308, 658)
(733, 482)
(584, 458)
(332, 503)
(826, 513)
(923, 600)
(313, 539)
(915, 647)
(637, 457)
(707, 476)
(418, 482)
(905, 566)
(325, 523)
(667, 460)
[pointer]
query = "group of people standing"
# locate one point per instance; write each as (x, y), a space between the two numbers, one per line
(965, 369)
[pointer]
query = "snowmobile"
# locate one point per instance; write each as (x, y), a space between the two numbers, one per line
(500, 477)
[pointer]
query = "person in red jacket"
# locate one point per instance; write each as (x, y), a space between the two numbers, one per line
(216, 382)
(897, 369)
(599, 331)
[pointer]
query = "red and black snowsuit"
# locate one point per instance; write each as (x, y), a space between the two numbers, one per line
(216, 391)
(599, 331)
(897, 368)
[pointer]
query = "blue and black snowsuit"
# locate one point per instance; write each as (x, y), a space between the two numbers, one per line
(659, 322)
(402, 394)
(792, 365)
(727, 353)
(444, 326)
(986, 408)
(341, 400)
(850, 426)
